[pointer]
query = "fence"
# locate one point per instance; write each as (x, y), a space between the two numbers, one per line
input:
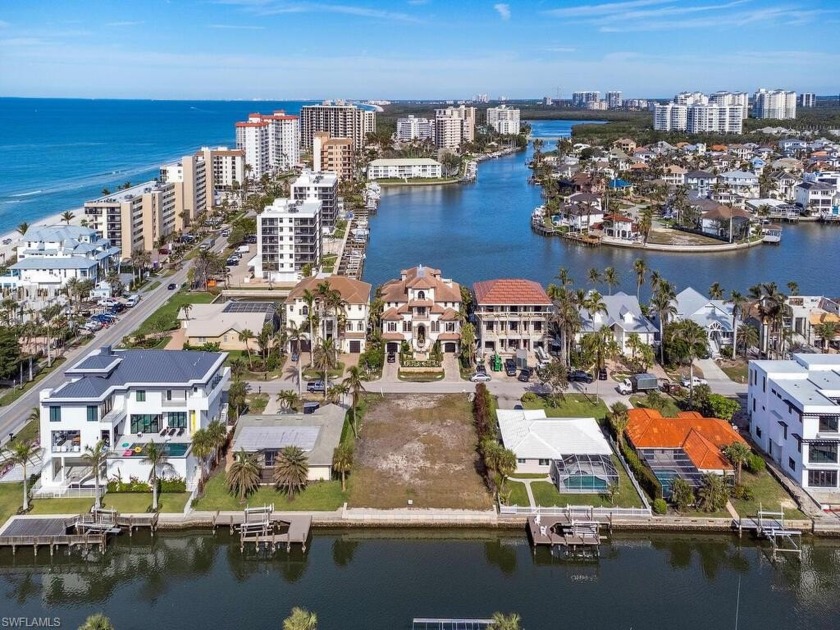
(582, 512)
(67, 493)
(626, 466)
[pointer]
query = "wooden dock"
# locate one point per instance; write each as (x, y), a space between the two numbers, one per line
(262, 527)
(563, 531)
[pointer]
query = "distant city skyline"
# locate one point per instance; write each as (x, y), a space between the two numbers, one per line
(414, 49)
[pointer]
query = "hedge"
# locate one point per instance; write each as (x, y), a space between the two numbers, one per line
(134, 485)
(647, 480)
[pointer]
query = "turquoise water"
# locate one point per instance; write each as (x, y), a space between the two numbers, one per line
(482, 230)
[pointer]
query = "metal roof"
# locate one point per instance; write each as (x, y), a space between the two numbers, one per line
(258, 438)
(38, 262)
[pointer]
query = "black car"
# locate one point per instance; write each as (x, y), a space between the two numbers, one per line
(481, 369)
(510, 367)
(392, 357)
(602, 374)
(579, 376)
(524, 375)
(315, 387)
(171, 286)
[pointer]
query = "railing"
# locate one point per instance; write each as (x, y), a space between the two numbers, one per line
(576, 511)
(115, 416)
(68, 492)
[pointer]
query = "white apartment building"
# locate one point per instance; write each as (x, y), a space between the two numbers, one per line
(347, 327)
(581, 99)
(271, 142)
(504, 119)
(324, 188)
(732, 99)
(454, 122)
(224, 171)
(698, 117)
(670, 117)
(807, 99)
(128, 399)
(48, 256)
(137, 218)
(614, 100)
(794, 409)
(412, 128)
(404, 168)
(288, 237)
(339, 119)
(691, 98)
(777, 104)
(189, 176)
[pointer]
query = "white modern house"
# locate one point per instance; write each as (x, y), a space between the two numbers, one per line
(814, 196)
(714, 316)
(404, 168)
(794, 410)
(129, 398)
(49, 256)
(741, 182)
(623, 317)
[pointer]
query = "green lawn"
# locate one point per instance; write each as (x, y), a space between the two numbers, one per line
(257, 402)
(318, 496)
(737, 372)
(123, 502)
(11, 396)
(574, 406)
(546, 494)
(768, 494)
(166, 317)
(154, 285)
(669, 410)
(11, 498)
(516, 494)
(29, 432)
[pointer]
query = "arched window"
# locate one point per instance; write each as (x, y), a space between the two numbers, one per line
(421, 295)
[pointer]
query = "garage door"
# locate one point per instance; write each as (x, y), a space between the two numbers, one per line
(355, 346)
(449, 347)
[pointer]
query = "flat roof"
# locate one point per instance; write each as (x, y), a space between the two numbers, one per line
(404, 162)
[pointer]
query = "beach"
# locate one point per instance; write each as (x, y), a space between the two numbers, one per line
(9, 250)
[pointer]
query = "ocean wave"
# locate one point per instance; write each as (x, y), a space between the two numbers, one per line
(28, 194)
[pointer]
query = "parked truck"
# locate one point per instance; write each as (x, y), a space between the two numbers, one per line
(638, 383)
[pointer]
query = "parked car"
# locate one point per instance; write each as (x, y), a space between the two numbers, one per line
(314, 387)
(480, 368)
(392, 357)
(295, 357)
(579, 376)
(525, 375)
(602, 374)
(132, 300)
(510, 367)
(225, 233)
(480, 377)
(171, 286)
(687, 382)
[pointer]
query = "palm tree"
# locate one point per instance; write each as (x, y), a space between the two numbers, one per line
(325, 360)
(716, 291)
(343, 461)
(156, 458)
(793, 287)
(67, 217)
(640, 267)
(202, 447)
(619, 419)
(353, 382)
(695, 341)
(501, 621)
(217, 434)
(245, 336)
(310, 300)
(712, 494)
(826, 331)
(288, 399)
(96, 457)
(97, 622)
(662, 302)
(594, 277)
(738, 453)
(738, 301)
(243, 476)
(748, 337)
(611, 278)
(291, 470)
(301, 619)
(22, 228)
(22, 454)
(295, 336)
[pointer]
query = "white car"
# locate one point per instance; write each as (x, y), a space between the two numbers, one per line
(687, 382)
(480, 377)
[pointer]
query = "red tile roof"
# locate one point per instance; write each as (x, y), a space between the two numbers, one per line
(510, 291)
(700, 438)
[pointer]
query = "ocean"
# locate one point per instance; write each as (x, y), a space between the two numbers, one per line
(59, 153)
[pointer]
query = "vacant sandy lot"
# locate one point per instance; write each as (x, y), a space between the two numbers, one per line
(418, 447)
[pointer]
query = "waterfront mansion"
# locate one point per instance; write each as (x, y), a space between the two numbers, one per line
(421, 308)
(129, 398)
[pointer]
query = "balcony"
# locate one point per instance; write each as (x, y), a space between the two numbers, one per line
(114, 417)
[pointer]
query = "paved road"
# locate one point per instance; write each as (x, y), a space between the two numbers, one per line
(13, 417)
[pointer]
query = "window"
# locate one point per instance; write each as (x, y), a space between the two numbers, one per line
(406, 326)
(392, 326)
(828, 424)
(145, 423)
(791, 463)
(169, 391)
(55, 414)
(822, 478)
(177, 419)
(545, 462)
(141, 396)
(520, 461)
(92, 413)
(822, 453)
(270, 458)
(758, 431)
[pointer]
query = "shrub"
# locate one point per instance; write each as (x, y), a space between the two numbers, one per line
(644, 475)
(529, 397)
(659, 506)
(132, 485)
(742, 492)
(726, 352)
(176, 484)
(755, 463)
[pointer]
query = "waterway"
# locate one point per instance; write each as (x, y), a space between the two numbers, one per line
(482, 230)
(371, 579)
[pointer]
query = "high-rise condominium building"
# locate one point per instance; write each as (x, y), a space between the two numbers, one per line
(691, 98)
(225, 169)
(270, 141)
(504, 119)
(614, 100)
(454, 125)
(288, 238)
(580, 99)
(807, 99)
(339, 119)
(670, 117)
(412, 128)
(740, 99)
(320, 186)
(332, 155)
(189, 177)
(777, 104)
(698, 118)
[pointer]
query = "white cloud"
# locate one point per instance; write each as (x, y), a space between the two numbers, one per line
(503, 10)
(279, 7)
(559, 49)
(237, 27)
(586, 11)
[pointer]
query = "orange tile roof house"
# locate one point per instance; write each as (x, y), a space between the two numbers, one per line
(421, 307)
(511, 313)
(686, 446)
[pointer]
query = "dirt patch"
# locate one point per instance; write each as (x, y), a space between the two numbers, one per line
(419, 448)
(665, 236)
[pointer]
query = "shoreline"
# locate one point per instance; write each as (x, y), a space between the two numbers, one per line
(7, 251)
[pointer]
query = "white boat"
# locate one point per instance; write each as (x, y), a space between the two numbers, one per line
(772, 234)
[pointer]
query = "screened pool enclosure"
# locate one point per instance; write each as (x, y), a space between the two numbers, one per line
(583, 474)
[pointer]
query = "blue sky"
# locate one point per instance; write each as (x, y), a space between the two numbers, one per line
(401, 49)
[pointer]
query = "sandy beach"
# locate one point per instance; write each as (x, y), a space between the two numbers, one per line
(7, 251)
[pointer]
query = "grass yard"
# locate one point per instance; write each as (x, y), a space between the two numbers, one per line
(420, 448)
(123, 502)
(768, 493)
(516, 494)
(11, 499)
(11, 396)
(546, 494)
(166, 317)
(669, 409)
(737, 371)
(256, 402)
(574, 406)
(318, 496)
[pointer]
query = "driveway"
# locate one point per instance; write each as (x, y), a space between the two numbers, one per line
(719, 382)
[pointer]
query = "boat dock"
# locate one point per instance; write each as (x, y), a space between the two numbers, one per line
(262, 527)
(572, 534)
(771, 526)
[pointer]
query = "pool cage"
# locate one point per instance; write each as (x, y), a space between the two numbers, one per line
(583, 474)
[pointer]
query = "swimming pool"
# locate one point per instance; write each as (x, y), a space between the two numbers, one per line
(138, 449)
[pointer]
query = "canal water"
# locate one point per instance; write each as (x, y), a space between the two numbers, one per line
(482, 230)
(371, 579)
